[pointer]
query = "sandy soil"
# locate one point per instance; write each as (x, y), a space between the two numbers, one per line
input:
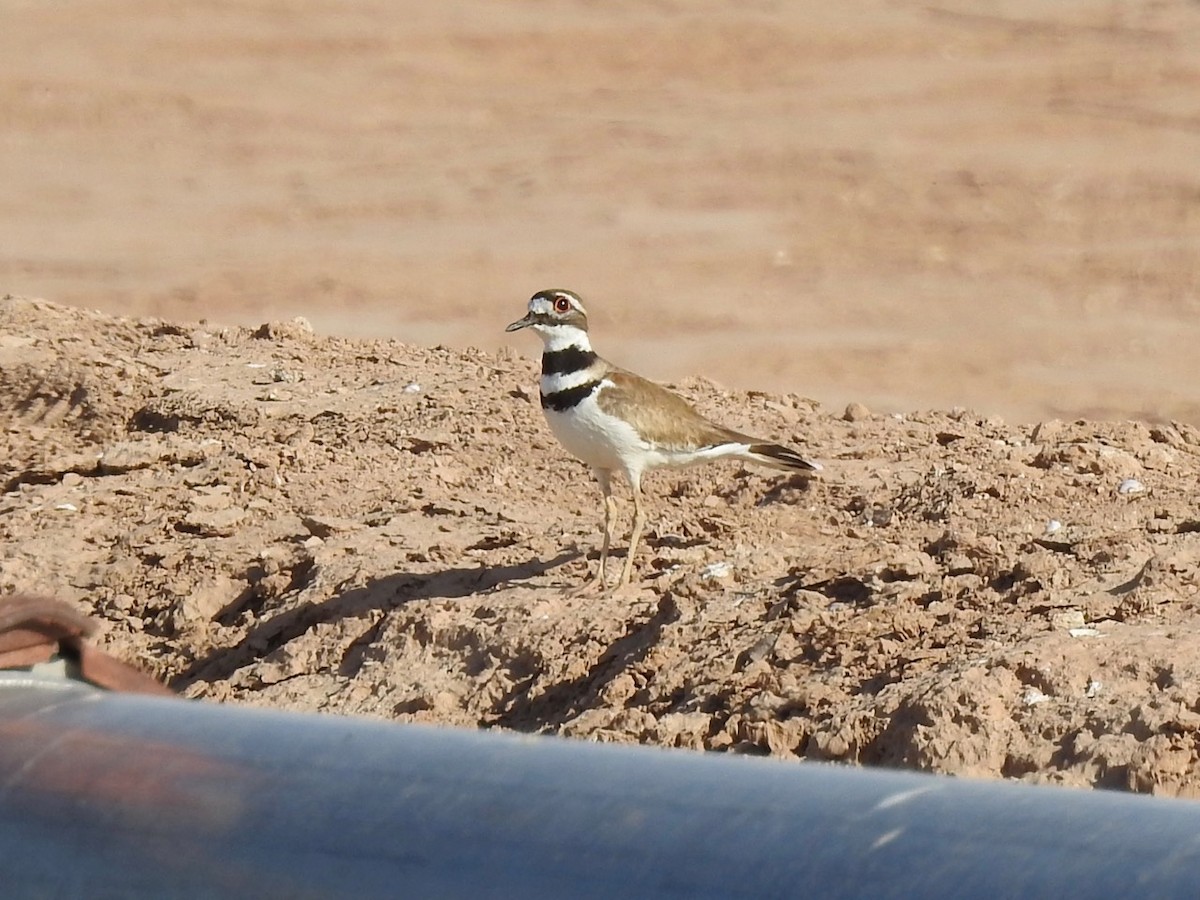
(967, 205)
(909, 205)
(276, 517)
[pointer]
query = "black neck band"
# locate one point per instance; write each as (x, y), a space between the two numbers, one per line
(566, 360)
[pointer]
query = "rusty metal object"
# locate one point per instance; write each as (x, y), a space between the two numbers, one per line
(32, 627)
(36, 629)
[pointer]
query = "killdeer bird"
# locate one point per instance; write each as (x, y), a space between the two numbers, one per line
(616, 421)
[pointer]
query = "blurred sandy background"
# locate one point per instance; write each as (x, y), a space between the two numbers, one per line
(912, 205)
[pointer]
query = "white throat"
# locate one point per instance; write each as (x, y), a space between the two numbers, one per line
(559, 337)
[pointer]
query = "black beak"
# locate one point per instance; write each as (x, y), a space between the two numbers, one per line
(521, 323)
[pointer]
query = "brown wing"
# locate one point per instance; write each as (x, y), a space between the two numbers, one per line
(660, 416)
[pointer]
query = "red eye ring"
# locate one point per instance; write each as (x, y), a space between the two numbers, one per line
(562, 304)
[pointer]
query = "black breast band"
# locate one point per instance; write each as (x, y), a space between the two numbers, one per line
(561, 401)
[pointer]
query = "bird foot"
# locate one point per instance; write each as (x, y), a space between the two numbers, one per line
(594, 583)
(597, 583)
(623, 589)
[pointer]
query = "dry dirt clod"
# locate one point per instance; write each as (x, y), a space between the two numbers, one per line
(390, 556)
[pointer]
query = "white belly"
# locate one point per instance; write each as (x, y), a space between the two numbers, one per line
(600, 440)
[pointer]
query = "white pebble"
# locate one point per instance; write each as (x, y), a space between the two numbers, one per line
(69, 507)
(412, 388)
(1094, 688)
(715, 570)
(1083, 632)
(1053, 526)
(1033, 697)
(1130, 486)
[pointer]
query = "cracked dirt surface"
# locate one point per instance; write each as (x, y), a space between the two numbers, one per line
(271, 516)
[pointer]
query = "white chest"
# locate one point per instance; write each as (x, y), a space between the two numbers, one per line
(599, 439)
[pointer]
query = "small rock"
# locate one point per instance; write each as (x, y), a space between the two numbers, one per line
(715, 570)
(204, 601)
(130, 455)
(298, 327)
(214, 523)
(213, 500)
(960, 564)
(1047, 431)
(855, 412)
(1068, 619)
(1130, 486)
(324, 526)
(445, 702)
(786, 413)
(284, 375)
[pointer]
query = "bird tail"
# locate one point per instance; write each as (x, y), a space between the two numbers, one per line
(776, 456)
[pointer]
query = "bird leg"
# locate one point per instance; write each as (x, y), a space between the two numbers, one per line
(610, 506)
(639, 520)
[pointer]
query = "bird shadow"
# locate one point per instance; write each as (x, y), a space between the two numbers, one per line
(561, 702)
(800, 482)
(378, 595)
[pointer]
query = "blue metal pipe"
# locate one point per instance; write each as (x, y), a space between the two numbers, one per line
(105, 794)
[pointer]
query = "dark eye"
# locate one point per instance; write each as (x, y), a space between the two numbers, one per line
(562, 304)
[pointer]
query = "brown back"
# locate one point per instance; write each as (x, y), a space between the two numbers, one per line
(660, 416)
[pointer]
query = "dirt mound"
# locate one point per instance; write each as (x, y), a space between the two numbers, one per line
(275, 517)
